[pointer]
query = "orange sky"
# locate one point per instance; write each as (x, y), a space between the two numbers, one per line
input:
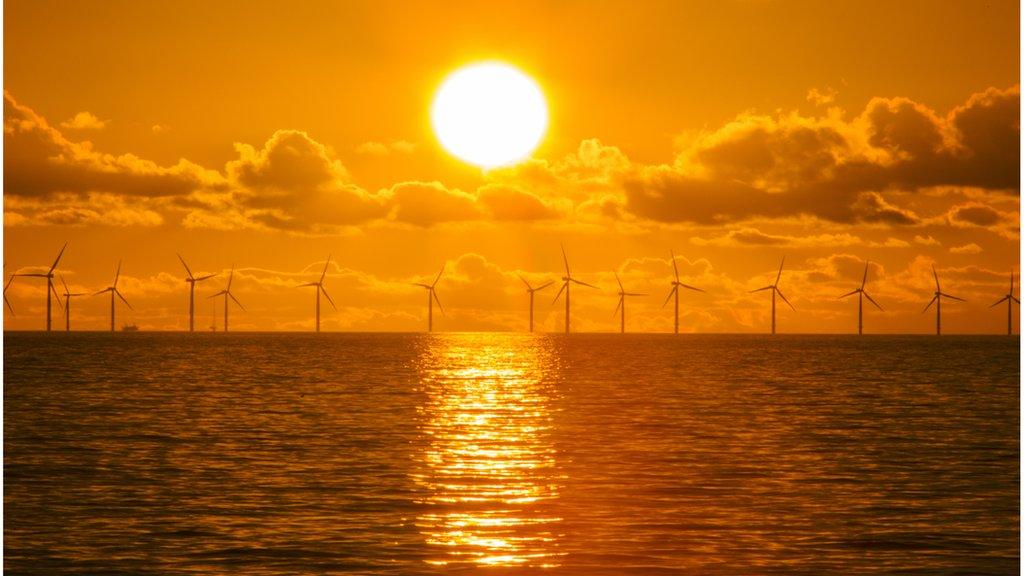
(732, 132)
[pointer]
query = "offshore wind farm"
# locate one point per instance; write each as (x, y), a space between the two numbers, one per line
(721, 287)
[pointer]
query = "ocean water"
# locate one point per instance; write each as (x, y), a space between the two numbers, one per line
(508, 453)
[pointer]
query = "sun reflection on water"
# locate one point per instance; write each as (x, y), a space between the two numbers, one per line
(489, 466)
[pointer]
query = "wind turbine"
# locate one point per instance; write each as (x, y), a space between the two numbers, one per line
(676, 285)
(226, 293)
(621, 306)
(775, 290)
(861, 295)
(566, 280)
(432, 297)
(68, 294)
(114, 291)
(192, 293)
(531, 290)
(50, 289)
(6, 301)
(319, 288)
(1009, 307)
(937, 300)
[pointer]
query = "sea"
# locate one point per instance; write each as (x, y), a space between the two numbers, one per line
(488, 453)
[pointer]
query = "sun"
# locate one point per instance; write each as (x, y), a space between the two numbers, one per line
(489, 114)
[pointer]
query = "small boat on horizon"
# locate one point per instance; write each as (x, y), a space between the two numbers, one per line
(130, 328)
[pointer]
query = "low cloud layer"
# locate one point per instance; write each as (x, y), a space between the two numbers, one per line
(859, 170)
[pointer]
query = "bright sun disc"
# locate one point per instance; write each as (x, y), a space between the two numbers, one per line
(489, 114)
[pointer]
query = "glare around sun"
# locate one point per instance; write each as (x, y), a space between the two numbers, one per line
(489, 114)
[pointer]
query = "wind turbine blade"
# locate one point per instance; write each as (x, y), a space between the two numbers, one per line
(934, 298)
(566, 260)
(324, 290)
(118, 292)
(436, 299)
(232, 296)
(434, 283)
(633, 294)
(936, 274)
(688, 287)
(865, 279)
(584, 283)
(420, 284)
(618, 305)
(779, 292)
(762, 289)
(117, 274)
(307, 285)
(201, 278)
(777, 277)
(872, 300)
(187, 269)
(560, 290)
(102, 291)
(543, 286)
(221, 293)
(62, 282)
(1011, 282)
(231, 277)
(8, 304)
(953, 297)
(621, 289)
(675, 268)
(326, 264)
(1015, 300)
(850, 293)
(56, 295)
(9, 280)
(58, 257)
(670, 293)
(1000, 301)
(31, 275)
(528, 287)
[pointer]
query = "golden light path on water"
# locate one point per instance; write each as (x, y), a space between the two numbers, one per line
(489, 467)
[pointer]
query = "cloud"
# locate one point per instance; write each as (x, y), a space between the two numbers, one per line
(754, 237)
(971, 248)
(295, 183)
(374, 148)
(429, 203)
(84, 121)
(832, 168)
(40, 162)
(821, 97)
(95, 209)
(973, 214)
(508, 203)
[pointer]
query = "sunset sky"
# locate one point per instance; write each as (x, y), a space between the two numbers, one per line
(268, 135)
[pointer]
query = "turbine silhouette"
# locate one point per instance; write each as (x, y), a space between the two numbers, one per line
(431, 298)
(621, 306)
(319, 284)
(676, 285)
(937, 300)
(531, 290)
(566, 280)
(68, 294)
(775, 290)
(861, 295)
(114, 291)
(1009, 299)
(226, 293)
(51, 290)
(192, 280)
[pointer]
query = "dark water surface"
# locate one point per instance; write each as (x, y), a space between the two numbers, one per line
(502, 453)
